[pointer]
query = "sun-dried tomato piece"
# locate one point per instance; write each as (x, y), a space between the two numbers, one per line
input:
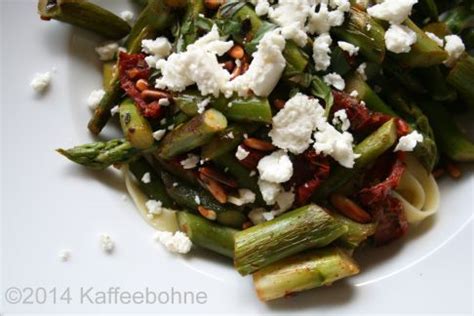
(252, 159)
(391, 219)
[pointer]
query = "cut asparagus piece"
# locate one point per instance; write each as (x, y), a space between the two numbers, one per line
(154, 188)
(356, 233)
(370, 149)
(135, 127)
(207, 234)
(293, 232)
(451, 141)
(194, 197)
(461, 77)
(85, 15)
(459, 18)
(436, 84)
(303, 272)
(225, 141)
(108, 75)
(364, 32)
(101, 155)
(192, 134)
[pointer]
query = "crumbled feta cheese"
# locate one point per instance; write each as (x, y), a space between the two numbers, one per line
(261, 7)
(435, 38)
(230, 135)
(107, 51)
(154, 207)
(335, 80)
(269, 191)
(146, 178)
(114, 110)
(158, 135)
(399, 39)
(65, 255)
(164, 102)
(245, 197)
(408, 142)
(291, 16)
(454, 47)
(197, 200)
(321, 21)
(178, 243)
(268, 216)
(201, 106)
(94, 98)
(322, 51)
(293, 125)
(352, 50)
(175, 184)
(159, 47)
(253, 173)
(241, 153)
(128, 16)
(265, 69)
(354, 94)
(171, 127)
(340, 118)
(276, 167)
(106, 243)
(284, 201)
(361, 71)
(41, 82)
(368, 27)
(190, 162)
(394, 11)
(256, 216)
(197, 65)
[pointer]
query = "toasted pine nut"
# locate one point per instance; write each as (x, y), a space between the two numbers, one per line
(154, 94)
(453, 170)
(229, 65)
(237, 72)
(279, 104)
(350, 209)
(213, 4)
(142, 85)
(218, 176)
(247, 225)
(258, 144)
(237, 52)
(438, 173)
(214, 188)
(209, 214)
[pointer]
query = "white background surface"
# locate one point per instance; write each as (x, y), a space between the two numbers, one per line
(49, 204)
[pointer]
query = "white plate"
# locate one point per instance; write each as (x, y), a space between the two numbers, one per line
(49, 204)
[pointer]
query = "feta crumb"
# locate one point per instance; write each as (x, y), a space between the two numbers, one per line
(201, 106)
(252, 173)
(293, 125)
(291, 16)
(322, 51)
(114, 110)
(269, 191)
(394, 11)
(352, 50)
(321, 21)
(197, 200)
(245, 197)
(268, 216)
(230, 135)
(175, 184)
(399, 39)
(107, 51)
(354, 94)
(435, 38)
(106, 243)
(159, 47)
(190, 162)
(164, 102)
(241, 153)
(128, 16)
(408, 142)
(171, 127)
(261, 7)
(340, 118)
(368, 27)
(276, 167)
(361, 71)
(41, 82)
(177, 243)
(335, 80)
(65, 255)
(284, 201)
(94, 98)
(154, 207)
(146, 178)
(256, 216)
(454, 47)
(159, 134)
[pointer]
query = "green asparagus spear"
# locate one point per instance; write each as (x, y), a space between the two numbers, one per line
(304, 228)
(101, 155)
(430, 9)
(86, 15)
(225, 141)
(461, 77)
(424, 53)
(189, 31)
(370, 149)
(192, 134)
(136, 128)
(303, 272)
(207, 234)
(435, 82)
(251, 109)
(459, 18)
(108, 75)
(356, 233)
(194, 197)
(154, 188)
(364, 32)
(451, 141)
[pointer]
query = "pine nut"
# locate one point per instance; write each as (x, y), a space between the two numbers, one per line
(258, 144)
(154, 94)
(213, 4)
(350, 209)
(142, 85)
(237, 52)
(209, 214)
